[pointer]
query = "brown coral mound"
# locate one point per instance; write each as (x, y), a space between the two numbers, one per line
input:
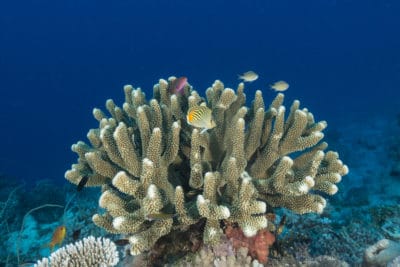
(257, 245)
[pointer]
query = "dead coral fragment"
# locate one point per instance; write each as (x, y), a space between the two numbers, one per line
(381, 253)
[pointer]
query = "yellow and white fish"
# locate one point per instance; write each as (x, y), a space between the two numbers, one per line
(249, 76)
(280, 86)
(201, 117)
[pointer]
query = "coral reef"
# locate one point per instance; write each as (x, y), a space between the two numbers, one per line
(219, 255)
(149, 161)
(90, 251)
(257, 245)
(325, 261)
(395, 262)
(381, 253)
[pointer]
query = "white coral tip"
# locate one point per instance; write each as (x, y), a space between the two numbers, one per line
(309, 181)
(319, 135)
(337, 178)
(147, 162)
(117, 222)
(261, 207)
(152, 191)
(319, 208)
(345, 169)
(225, 212)
(249, 231)
(288, 160)
(200, 199)
(333, 190)
(103, 199)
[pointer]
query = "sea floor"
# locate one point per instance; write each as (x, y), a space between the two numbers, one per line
(366, 209)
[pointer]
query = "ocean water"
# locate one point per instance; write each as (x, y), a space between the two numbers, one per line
(60, 59)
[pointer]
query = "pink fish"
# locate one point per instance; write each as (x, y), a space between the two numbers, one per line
(178, 85)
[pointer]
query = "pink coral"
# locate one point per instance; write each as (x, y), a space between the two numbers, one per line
(257, 245)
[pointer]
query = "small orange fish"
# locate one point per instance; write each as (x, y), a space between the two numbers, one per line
(58, 237)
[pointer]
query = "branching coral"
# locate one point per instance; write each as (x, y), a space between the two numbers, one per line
(87, 252)
(148, 161)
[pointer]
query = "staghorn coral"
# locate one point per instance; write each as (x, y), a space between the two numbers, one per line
(90, 251)
(148, 161)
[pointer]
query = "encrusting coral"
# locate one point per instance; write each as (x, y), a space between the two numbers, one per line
(149, 161)
(258, 245)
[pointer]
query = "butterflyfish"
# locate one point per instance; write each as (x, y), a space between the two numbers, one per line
(201, 117)
(280, 86)
(249, 76)
(58, 237)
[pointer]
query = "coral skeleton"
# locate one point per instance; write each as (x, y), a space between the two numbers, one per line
(149, 161)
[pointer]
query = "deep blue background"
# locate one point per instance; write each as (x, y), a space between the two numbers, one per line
(59, 59)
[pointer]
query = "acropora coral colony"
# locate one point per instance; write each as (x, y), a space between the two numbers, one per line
(148, 160)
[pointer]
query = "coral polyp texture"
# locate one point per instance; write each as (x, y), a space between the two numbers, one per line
(151, 163)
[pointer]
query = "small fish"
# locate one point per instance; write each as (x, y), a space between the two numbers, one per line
(121, 242)
(281, 225)
(58, 237)
(76, 234)
(249, 76)
(270, 217)
(177, 86)
(201, 117)
(159, 216)
(82, 183)
(280, 86)
(193, 193)
(257, 214)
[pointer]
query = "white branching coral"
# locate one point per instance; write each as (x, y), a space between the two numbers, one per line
(88, 252)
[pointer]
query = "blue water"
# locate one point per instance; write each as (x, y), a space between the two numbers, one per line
(59, 59)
